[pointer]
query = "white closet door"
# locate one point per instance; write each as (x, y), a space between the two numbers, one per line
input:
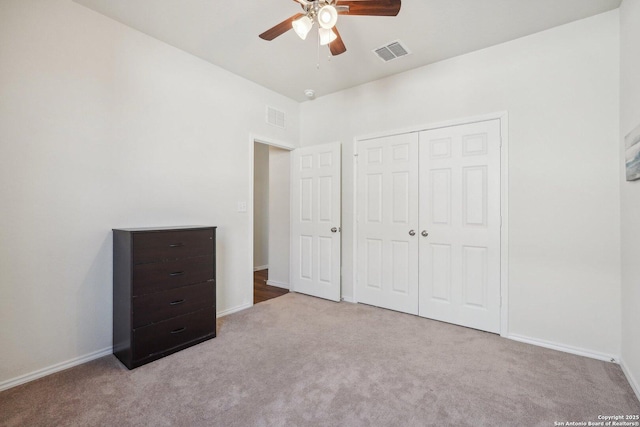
(460, 211)
(315, 221)
(387, 222)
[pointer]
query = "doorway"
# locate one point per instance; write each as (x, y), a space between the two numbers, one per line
(270, 222)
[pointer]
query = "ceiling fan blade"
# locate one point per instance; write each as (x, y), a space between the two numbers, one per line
(281, 28)
(337, 46)
(371, 7)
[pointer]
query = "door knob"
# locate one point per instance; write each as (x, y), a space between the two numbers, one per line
(334, 230)
(424, 233)
(412, 233)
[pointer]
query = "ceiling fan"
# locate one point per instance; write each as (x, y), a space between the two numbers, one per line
(325, 14)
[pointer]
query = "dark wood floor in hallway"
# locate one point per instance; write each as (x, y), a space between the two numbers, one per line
(262, 291)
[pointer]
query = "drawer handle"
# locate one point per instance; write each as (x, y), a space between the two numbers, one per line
(176, 273)
(176, 245)
(180, 301)
(177, 331)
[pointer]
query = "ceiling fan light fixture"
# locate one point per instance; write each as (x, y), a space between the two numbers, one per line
(302, 26)
(326, 36)
(327, 16)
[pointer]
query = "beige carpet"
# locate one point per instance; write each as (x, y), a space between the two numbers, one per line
(302, 361)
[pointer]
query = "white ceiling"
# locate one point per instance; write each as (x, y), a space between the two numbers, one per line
(225, 33)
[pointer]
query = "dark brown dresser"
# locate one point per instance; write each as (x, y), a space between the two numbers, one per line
(164, 291)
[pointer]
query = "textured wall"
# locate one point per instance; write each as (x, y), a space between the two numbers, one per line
(260, 205)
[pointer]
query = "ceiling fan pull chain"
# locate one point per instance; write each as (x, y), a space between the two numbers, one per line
(318, 54)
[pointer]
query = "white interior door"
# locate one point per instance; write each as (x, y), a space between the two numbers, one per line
(460, 211)
(315, 221)
(387, 206)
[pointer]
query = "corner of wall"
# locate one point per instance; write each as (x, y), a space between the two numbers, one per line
(629, 193)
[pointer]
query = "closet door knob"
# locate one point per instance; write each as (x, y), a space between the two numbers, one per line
(334, 230)
(424, 233)
(412, 233)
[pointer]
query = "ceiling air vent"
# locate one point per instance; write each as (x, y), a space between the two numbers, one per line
(391, 51)
(275, 117)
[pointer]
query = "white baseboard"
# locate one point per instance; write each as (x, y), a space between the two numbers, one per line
(234, 310)
(261, 267)
(4, 385)
(632, 380)
(347, 299)
(278, 284)
(564, 348)
(22, 379)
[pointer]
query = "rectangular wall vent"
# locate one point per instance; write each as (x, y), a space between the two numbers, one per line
(391, 51)
(275, 117)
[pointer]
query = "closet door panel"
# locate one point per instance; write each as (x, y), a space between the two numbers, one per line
(387, 206)
(460, 215)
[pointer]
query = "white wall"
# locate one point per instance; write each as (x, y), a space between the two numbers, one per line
(630, 191)
(279, 217)
(260, 205)
(104, 127)
(560, 88)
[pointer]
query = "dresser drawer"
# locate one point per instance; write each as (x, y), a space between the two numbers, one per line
(163, 336)
(149, 278)
(159, 306)
(171, 245)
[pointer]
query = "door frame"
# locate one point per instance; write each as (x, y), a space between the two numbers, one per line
(503, 116)
(253, 138)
